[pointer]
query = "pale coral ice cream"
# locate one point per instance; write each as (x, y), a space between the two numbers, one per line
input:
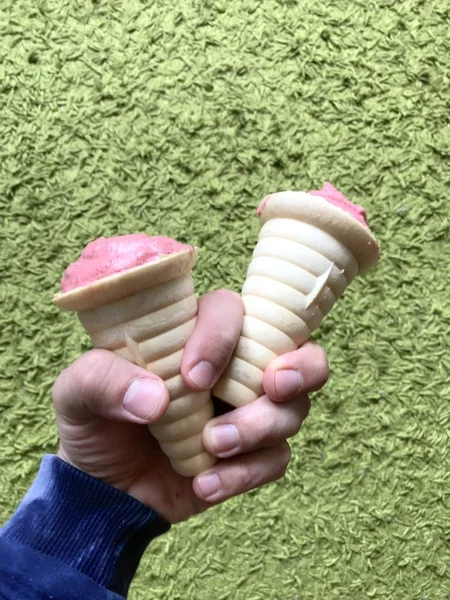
(335, 197)
(108, 256)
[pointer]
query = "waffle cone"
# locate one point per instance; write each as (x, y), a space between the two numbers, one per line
(146, 315)
(308, 252)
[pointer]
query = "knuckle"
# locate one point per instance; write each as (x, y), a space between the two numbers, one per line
(300, 408)
(286, 453)
(219, 347)
(92, 374)
(294, 427)
(226, 342)
(261, 425)
(306, 406)
(319, 364)
(83, 386)
(246, 478)
(283, 459)
(269, 426)
(322, 361)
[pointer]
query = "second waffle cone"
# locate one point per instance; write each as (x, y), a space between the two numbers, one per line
(307, 254)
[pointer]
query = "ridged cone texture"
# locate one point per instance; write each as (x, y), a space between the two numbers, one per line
(150, 327)
(298, 271)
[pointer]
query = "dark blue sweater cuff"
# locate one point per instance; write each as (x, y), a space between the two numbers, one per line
(85, 523)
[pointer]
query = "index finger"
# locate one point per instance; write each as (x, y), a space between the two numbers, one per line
(209, 349)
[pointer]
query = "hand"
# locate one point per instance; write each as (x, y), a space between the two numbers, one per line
(103, 405)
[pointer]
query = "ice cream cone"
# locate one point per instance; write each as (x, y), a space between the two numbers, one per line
(308, 252)
(146, 314)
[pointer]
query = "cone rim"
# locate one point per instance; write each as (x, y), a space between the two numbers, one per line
(79, 298)
(320, 213)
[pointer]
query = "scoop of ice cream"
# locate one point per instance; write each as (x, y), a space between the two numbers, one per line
(108, 256)
(333, 196)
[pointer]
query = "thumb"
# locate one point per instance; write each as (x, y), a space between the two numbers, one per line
(100, 383)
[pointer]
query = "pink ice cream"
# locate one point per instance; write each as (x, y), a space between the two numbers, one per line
(335, 197)
(108, 256)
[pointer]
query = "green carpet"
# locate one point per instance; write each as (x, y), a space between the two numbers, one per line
(177, 118)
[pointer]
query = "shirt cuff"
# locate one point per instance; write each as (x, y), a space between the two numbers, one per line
(85, 523)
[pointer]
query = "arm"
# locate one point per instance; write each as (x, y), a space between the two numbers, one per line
(74, 537)
(85, 523)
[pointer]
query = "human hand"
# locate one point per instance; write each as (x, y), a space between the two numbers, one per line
(104, 403)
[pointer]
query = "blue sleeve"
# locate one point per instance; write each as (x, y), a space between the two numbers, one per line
(74, 537)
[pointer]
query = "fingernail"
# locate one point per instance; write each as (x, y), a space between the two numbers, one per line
(287, 382)
(209, 485)
(203, 375)
(143, 398)
(224, 439)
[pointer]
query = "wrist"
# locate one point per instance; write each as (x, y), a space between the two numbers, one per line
(83, 522)
(93, 469)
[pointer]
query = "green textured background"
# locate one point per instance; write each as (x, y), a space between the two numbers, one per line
(177, 117)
